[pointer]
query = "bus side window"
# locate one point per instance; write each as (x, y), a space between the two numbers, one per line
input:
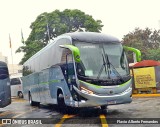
(65, 53)
(67, 63)
(70, 64)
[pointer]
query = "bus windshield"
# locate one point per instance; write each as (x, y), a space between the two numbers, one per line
(102, 60)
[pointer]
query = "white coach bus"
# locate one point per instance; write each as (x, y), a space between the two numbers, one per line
(81, 69)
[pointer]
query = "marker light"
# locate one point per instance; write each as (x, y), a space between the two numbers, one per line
(85, 90)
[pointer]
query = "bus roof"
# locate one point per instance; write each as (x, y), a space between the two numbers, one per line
(92, 37)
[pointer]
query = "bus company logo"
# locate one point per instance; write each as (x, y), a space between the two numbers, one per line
(6, 121)
(111, 92)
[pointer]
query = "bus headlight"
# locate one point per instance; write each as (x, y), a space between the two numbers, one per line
(85, 90)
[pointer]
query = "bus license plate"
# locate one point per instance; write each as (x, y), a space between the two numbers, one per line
(111, 102)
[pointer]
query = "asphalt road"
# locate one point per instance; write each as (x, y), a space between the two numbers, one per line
(136, 114)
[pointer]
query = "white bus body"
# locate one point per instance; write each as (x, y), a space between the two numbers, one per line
(99, 76)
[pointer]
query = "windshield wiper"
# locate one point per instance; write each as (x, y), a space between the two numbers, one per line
(105, 62)
(103, 66)
(108, 69)
(116, 73)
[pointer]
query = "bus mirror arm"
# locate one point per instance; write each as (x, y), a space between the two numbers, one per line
(66, 70)
(75, 51)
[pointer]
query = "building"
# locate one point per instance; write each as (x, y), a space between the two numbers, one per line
(3, 58)
(15, 69)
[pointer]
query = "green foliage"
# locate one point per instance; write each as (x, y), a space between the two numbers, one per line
(47, 26)
(154, 54)
(147, 41)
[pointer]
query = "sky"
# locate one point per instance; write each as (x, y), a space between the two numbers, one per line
(119, 17)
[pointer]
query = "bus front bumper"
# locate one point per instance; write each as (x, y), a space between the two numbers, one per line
(98, 100)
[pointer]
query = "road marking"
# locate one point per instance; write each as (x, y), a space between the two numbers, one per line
(145, 95)
(17, 101)
(103, 121)
(33, 108)
(5, 113)
(22, 113)
(66, 116)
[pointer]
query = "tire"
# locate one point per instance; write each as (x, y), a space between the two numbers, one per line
(60, 100)
(20, 94)
(61, 103)
(104, 109)
(31, 102)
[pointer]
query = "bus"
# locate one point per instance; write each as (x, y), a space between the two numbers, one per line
(5, 90)
(80, 69)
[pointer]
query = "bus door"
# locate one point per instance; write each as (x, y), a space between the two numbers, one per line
(71, 78)
(70, 74)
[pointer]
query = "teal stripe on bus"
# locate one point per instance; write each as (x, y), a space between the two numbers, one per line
(51, 81)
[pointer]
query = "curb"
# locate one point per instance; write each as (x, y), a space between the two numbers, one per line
(145, 95)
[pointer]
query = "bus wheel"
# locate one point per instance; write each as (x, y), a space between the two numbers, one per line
(104, 108)
(61, 103)
(20, 94)
(32, 103)
(60, 100)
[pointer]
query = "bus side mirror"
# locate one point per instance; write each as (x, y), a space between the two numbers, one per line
(75, 51)
(135, 51)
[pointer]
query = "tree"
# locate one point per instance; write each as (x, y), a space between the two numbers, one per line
(153, 54)
(47, 26)
(147, 41)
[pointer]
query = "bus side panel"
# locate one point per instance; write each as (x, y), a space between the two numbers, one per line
(30, 84)
(35, 87)
(45, 96)
(25, 87)
(5, 93)
(57, 81)
(55, 78)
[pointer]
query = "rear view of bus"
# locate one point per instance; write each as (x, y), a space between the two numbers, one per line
(5, 91)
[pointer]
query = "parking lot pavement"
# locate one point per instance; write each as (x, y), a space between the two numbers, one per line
(141, 108)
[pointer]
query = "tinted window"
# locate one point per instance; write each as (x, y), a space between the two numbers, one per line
(64, 53)
(4, 73)
(15, 81)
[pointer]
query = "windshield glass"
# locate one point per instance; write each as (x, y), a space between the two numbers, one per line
(102, 60)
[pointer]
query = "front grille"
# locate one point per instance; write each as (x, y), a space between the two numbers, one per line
(107, 82)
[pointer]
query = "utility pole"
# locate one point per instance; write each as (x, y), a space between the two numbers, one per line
(10, 43)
